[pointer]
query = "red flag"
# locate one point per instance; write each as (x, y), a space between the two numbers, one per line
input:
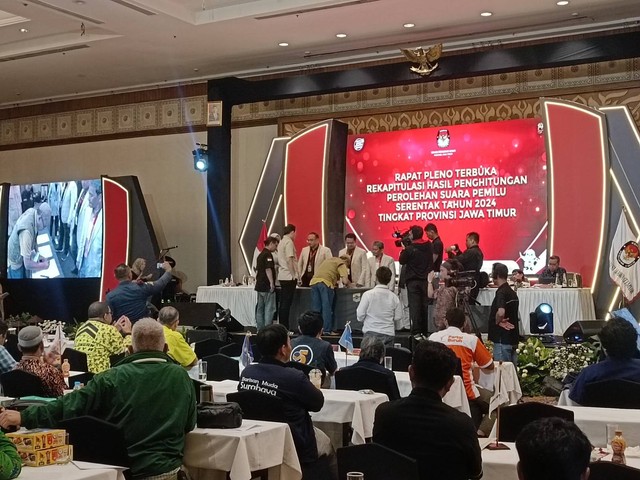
(259, 245)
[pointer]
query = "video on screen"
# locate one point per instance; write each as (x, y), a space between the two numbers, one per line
(55, 230)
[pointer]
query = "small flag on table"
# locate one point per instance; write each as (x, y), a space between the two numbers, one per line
(247, 352)
(346, 340)
(58, 344)
(259, 245)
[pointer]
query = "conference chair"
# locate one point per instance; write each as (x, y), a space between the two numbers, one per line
(83, 378)
(11, 344)
(220, 367)
(611, 471)
(614, 393)
(77, 360)
(363, 379)
(400, 358)
(115, 359)
(376, 462)
(18, 383)
(211, 346)
(259, 406)
(231, 350)
(514, 418)
(97, 441)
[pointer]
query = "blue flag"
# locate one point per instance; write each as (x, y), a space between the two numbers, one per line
(247, 353)
(346, 339)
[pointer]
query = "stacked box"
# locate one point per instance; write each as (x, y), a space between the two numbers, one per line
(41, 446)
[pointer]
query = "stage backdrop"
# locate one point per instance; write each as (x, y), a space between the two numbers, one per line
(484, 177)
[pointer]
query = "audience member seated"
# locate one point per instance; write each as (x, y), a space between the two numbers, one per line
(298, 394)
(380, 308)
(130, 297)
(35, 361)
(552, 273)
(552, 448)
(469, 349)
(372, 352)
(179, 349)
(618, 339)
(10, 461)
(309, 348)
(7, 362)
(442, 439)
(148, 396)
(99, 338)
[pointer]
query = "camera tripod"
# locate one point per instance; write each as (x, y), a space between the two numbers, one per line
(462, 301)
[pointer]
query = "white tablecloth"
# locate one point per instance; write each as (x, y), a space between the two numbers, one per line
(240, 300)
(70, 471)
(256, 445)
(456, 397)
(340, 406)
(507, 390)
(593, 422)
(569, 304)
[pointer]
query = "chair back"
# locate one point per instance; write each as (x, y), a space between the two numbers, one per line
(83, 378)
(11, 344)
(211, 346)
(515, 417)
(96, 441)
(18, 383)
(376, 462)
(610, 471)
(77, 360)
(614, 393)
(114, 359)
(220, 367)
(231, 350)
(400, 358)
(354, 378)
(259, 406)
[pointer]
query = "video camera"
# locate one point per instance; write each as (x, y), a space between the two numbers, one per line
(463, 280)
(402, 238)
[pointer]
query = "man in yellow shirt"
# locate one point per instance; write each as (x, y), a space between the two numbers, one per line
(100, 338)
(323, 284)
(179, 349)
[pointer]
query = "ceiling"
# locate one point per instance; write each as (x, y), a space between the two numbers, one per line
(132, 44)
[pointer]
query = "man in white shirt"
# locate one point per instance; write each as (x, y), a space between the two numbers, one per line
(288, 273)
(311, 258)
(359, 270)
(379, 309)
(380, 259)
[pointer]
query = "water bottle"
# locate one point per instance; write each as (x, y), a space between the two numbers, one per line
(76, 386)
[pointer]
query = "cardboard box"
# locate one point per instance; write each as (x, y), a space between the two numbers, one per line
(37, 439)
(50, 456)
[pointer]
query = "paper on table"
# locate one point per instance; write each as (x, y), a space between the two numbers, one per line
(95, 466)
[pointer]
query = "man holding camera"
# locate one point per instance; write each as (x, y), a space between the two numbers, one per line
(417, 256)
(471, 258)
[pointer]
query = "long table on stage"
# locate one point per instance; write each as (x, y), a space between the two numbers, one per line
(242, 300)
(569, 304)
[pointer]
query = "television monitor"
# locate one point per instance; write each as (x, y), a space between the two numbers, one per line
(55, 230)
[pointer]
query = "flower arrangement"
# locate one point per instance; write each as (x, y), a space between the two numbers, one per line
(571, 359)
(23, 320)
(532, 365)
(48, 326)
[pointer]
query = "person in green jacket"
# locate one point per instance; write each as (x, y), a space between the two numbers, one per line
(147, 395)
(10, 463)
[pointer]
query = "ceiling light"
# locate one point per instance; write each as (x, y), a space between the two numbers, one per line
(23, 30)
(409, 25)
(341, 35)
(283, 44)
(562, 3)
(486, 14)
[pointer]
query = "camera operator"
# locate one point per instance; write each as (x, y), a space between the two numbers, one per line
(417, 255)
(444, 292)
(471, 259)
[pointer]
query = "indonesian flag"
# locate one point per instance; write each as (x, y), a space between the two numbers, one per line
(259, 246)
(624, 260)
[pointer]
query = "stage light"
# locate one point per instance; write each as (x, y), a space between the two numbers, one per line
(200, 159)
(541, 320)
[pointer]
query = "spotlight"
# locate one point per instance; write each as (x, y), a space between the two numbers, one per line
(541, 320)
(200, 159)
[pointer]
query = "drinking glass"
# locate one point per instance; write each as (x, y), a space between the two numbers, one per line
(355, 476)
(388, 363)
(202, 374)
(221, 282)
(611, 432)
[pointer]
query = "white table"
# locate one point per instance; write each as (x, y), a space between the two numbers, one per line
(70, 471)
(240, 300)
(593, 422)
(501, 464)
(256, 445)
(340, 406)
(569, 304)
(503, 381)
(456, 397)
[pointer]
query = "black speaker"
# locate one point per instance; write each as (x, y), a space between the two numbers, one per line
(581, 330)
